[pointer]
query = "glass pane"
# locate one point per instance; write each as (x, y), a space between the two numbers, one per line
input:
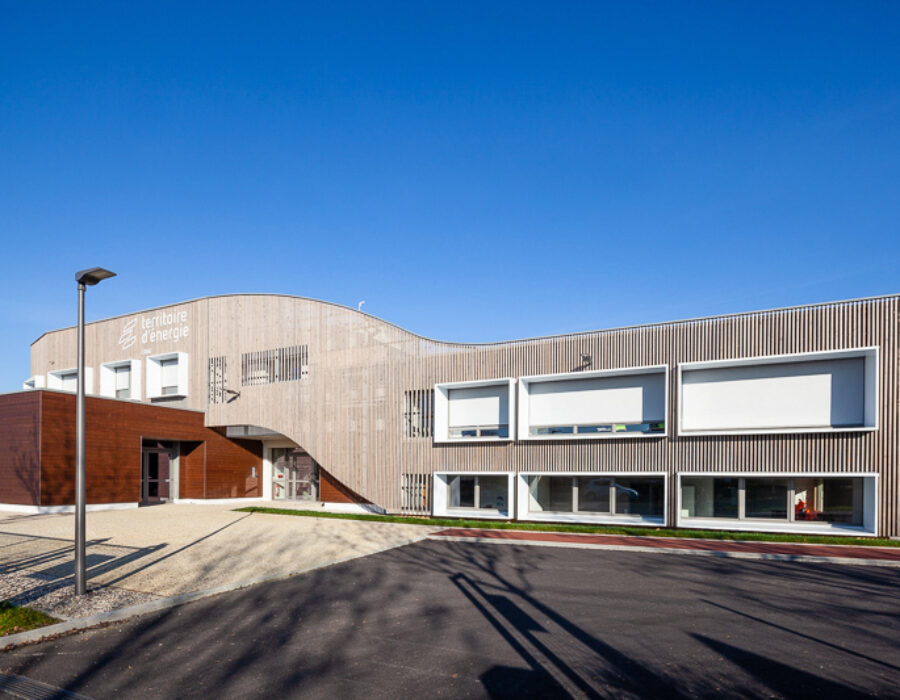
(709, 497)
(553, 493)
(593, 494)
(555, 430)
(766, 498)
(462, 491)
(833, 500)
(492, 492)
(639, 496)
(153, 465)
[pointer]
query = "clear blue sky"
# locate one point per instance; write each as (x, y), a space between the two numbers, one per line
(474, 171)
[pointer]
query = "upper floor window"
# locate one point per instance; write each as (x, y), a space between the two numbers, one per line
(121, 379)
(35, 382)
(479, 410)
(167, 375)
(67, 380)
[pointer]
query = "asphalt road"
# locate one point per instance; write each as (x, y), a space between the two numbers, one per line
(459, 619)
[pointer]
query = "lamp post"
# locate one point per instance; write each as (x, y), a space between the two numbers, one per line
(83, 277)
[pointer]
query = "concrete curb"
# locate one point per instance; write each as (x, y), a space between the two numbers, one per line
(121, 614)
(758, 556)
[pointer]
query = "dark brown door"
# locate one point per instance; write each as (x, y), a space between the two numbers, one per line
(155, 475)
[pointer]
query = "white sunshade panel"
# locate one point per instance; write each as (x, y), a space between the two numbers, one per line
(123, 377)
(598, 401)
(811, 394)
(69, 382)
(169, 372)
(483, 405)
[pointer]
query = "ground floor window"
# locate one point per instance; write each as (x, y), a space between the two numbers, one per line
(596, 495)
(826, 499)
(479, 495)
(481, 492)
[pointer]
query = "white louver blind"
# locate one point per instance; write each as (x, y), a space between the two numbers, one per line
(787, 395)
(169, 373)
(602, 400)
(483, 405)
(123, 377)
(69, 382)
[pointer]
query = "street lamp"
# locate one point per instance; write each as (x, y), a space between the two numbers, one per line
(83, 277)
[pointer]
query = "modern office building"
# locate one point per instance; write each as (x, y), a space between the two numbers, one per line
(780, 420)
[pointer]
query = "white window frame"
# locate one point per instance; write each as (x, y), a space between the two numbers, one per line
(870, 507)
(871, 398)
(441, 427)
(108, 379)
(154, 375)
(54, 379)
(525, 383)
(522, 493)
(440, 501)
(32, 383)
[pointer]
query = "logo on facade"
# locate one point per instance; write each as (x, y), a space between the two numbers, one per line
(171, 326)
(128, 338)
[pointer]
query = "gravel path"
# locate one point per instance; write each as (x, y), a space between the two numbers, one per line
(57, 597)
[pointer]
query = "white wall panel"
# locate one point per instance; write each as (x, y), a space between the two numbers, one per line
(482, 405)
(627, 399)
(769, 396)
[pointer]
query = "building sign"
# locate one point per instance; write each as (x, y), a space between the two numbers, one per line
(158, 327)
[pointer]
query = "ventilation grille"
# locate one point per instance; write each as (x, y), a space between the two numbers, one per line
(216, 380)
(270, 366)
(418, 412)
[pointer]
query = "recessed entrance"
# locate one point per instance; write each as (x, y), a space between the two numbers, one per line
(158, 460)
(295, 475)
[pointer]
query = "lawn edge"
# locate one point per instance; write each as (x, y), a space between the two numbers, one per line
(627, 531)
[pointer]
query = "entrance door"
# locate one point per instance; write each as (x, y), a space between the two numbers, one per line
(156, 474)
(295, 476)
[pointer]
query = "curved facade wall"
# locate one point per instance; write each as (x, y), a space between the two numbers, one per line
(357, 392)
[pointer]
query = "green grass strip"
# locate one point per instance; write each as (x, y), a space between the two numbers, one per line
(589, 529)
(18, 619)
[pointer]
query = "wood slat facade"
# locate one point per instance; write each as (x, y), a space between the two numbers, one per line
(350, 407)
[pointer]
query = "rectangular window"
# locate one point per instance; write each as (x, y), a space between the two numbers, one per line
(597, 495)
(593, 405)
(479, 410)
(708, 497)
(68, 381)
(813, 392)
(481, 492)
(766, 498)
(831, 500)
(836, 500)
(552, 493)
(169, 376)
(593, 494)
(639, 496)
(123, 381)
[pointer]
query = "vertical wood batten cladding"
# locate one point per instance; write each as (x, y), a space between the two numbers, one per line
(349, 413)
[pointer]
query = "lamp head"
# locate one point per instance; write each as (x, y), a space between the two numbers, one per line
(93, 275)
